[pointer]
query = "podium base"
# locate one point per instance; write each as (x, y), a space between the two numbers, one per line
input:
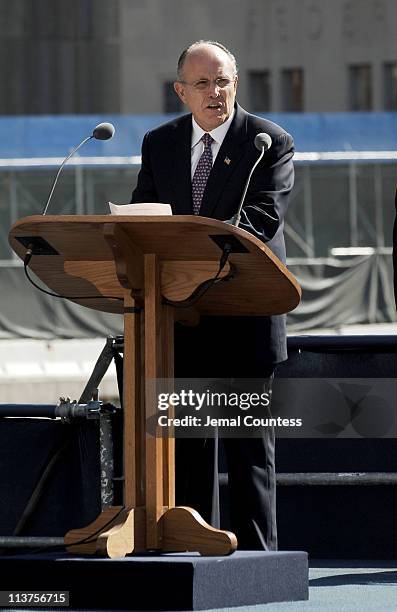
(178, 581)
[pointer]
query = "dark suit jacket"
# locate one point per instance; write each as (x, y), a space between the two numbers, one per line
(165, 176)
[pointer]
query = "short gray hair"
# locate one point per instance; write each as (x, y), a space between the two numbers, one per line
(199, 43)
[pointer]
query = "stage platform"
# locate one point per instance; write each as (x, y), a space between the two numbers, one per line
(180, 581)
(335, 585)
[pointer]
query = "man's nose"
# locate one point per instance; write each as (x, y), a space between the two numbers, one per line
(214, 88)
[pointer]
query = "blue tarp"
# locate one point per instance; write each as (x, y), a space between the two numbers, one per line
(55, 136)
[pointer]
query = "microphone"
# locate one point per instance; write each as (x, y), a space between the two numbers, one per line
(103, 131)
(262, 142)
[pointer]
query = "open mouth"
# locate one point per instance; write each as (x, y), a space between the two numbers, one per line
(215, 106)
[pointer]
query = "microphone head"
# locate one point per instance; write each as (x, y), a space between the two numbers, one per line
(263, 141)
(104, 131)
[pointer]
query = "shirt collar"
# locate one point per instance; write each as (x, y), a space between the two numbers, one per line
(218, 134)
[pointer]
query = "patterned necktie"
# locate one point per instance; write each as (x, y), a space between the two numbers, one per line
(202, 173)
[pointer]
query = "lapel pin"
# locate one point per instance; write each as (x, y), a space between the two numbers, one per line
(227, 160)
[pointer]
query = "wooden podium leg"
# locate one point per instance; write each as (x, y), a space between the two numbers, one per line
(116, 532)
(154, 447)
(111, 534)
(183, 529)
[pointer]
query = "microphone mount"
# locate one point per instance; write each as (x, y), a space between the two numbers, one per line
(262, 142)
(103, 131)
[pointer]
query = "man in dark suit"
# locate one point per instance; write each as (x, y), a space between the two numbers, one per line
(199, 164)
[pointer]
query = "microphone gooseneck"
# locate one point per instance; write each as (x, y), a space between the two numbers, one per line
(103, 131)
(60, 170)
(262, 142)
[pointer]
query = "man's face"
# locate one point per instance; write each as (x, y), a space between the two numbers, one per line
(209, 86)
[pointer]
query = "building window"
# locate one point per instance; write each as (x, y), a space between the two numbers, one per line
(390, 86)
(259, 90)
(292, 90)
(171, 102)
(360, 80)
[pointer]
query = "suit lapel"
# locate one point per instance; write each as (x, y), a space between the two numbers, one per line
(226, 161)
(180, 158)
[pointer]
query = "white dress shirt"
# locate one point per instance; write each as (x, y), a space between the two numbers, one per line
(218, 134)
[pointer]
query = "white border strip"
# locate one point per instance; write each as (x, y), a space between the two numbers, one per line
(344, 155)
(135, 160)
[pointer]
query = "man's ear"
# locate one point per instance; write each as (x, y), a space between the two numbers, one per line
(180, 91)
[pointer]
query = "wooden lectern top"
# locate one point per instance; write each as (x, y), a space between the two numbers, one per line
(78, 259)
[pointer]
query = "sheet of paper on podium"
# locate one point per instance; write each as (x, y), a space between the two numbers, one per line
(144, 208)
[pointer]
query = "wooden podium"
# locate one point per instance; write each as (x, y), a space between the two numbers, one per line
(149, 269)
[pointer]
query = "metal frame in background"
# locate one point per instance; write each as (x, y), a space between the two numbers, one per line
(89, 407)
